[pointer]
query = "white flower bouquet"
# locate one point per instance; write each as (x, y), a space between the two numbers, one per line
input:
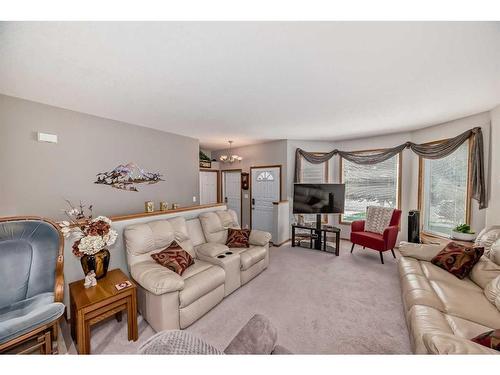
(92, 235)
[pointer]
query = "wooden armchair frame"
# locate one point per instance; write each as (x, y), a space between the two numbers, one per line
(43, 337)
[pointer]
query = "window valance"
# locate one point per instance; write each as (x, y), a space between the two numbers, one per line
(428, 151)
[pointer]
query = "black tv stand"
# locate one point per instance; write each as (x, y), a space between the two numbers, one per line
(317, 240)
(318, 236)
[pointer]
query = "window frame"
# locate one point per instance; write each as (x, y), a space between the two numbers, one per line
(468, 196)
(399, 175)
(324, 217)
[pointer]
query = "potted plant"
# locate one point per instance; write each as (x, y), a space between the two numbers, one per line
(463, 232)
(92, 236)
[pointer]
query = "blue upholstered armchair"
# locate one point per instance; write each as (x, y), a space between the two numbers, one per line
(31, 284)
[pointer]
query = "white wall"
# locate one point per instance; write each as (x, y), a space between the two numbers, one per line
(493, 211)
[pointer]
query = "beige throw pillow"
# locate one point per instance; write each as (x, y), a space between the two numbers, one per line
(487, 237)
(492, 290)
(378, 219)
(494, 253)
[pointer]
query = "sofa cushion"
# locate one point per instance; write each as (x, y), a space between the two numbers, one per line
(492, 290)
(419, 251)
(465, 328)
(490, 339)
(24, 316)
(368, 239)
(409, 266)
(494, 254)
(467, 303)
(259, 237)
(441, 343)
(422, 320)
(417, 290)
(484, 271)
(487, 237)
(216, 223)
(228, 218)
(174, 258)
(251, 256)
(458, 259)
(211, 249)
(156, 235)
(155, 278)
(238, 237)
(258, 336)
(198, 284)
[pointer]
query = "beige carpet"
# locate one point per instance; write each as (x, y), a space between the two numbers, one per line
(320, 304)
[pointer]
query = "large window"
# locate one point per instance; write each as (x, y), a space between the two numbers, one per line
(444, 197)
(369, 185)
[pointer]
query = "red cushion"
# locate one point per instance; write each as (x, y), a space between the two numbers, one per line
(238, 237)
(371, 240)
(490, 339)
(458, 259)
(174, 258)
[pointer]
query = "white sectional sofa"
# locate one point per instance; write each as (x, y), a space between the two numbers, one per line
(443, 312)
(169, 301)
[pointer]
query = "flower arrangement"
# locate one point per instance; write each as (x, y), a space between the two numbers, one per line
(92, 235)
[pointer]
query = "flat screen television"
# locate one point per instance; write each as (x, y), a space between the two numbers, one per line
(318, 198)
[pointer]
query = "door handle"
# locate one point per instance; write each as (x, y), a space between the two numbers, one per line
(253, 200)
(225, 199)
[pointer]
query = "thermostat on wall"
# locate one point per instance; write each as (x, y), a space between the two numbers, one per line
(45, 137)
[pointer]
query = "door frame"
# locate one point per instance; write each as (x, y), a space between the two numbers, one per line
(219, 194)
(251, 179)
(241, 190)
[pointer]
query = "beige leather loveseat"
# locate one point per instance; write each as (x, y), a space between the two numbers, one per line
(443, 312)
(169, 301)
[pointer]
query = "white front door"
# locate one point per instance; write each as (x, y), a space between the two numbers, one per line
(231, 191)
(208, 187)
(265, 190)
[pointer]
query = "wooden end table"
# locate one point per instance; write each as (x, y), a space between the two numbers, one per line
(93, 305)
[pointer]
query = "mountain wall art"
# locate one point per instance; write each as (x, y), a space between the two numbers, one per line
(126, 177)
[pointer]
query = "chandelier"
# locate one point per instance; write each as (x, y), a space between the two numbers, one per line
(230, 158)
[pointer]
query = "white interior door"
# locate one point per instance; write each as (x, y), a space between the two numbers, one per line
(208, 187)
(265, 190)
(232, 191)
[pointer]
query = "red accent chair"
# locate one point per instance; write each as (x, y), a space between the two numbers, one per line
(375, 241)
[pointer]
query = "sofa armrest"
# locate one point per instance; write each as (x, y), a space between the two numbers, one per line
(444, 343)
(210, 249)
(390, 236)
(418, 251)
(155, 278)
(258, 336)
(358, 226)
(259, 237)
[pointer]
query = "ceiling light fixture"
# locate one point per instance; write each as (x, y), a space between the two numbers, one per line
(230, 158)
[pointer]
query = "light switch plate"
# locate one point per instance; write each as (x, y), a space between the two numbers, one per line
(45, 137)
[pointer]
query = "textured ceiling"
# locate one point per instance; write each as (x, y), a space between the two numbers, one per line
(257, 81)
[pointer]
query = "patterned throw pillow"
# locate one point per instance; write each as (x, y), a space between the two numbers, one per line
(490, 339)
(238, 237)
(174, 257)
(378, 219)
(458, 259)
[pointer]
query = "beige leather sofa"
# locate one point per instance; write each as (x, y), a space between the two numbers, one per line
(169, 301)
(443, 312)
